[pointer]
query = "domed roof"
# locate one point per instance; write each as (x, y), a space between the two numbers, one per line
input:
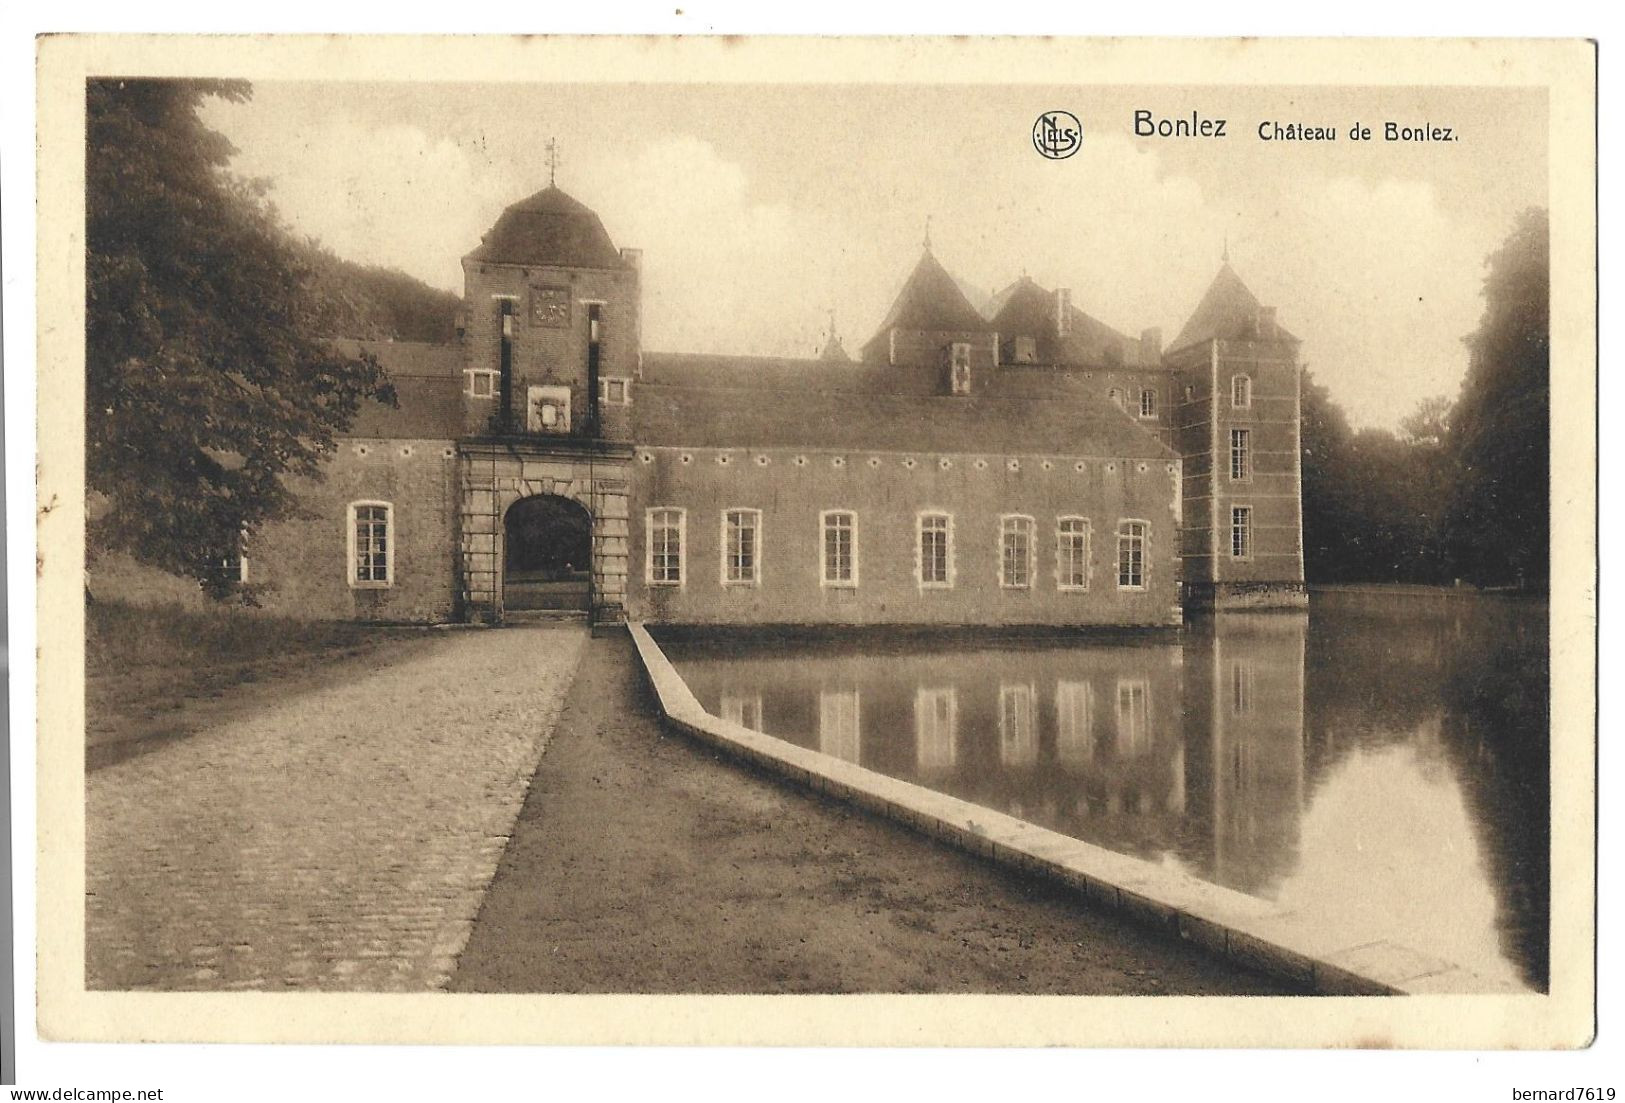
(549, 228)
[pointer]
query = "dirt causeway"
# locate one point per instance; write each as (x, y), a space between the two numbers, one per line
(643, 862)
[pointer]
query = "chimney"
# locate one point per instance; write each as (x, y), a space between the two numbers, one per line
(1151, 345)
(1063, 311)
(1266, 323)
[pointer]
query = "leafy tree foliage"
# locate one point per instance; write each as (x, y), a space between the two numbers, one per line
(1500, 514)
(1461, 490)
(208, 383)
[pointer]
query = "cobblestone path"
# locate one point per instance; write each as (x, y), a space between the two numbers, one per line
(341, 839)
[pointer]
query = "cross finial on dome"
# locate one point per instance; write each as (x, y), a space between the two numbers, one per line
(552, 162)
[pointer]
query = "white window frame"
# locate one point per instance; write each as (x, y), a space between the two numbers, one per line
(919, 549)
(1074, 721)
(1144, 538)
(391, 538)
(726, 573)
(840, 724)
(1063, 553)
(936, 733)
(1244, 454)
(491, 377)
(1241, 391)
(681, 581)
(1241, 512)
(1018, 723)
(605, 398)
(824, 578)
(1148, 396)
(1011, 524)
(959, 367)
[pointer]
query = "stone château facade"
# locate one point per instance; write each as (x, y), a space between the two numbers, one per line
(1023, 464)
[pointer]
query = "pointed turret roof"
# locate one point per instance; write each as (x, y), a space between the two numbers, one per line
(549, 228)
(931, 300)
(1228, 311)
(834, 351)
(1026, 309)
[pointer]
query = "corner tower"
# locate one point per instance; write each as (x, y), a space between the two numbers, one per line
(1238, 430)
(932, 324)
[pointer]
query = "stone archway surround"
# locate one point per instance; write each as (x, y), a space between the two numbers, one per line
(493, 480)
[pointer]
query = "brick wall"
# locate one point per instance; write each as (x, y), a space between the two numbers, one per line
(545, 355)
(887, 493)
(305, 563)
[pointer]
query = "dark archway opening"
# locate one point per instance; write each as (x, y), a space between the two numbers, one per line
(547, 554)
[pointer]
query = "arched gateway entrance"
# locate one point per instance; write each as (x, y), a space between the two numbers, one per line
(547, 555)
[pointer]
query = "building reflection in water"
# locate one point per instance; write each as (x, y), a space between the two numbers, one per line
(1255, 751)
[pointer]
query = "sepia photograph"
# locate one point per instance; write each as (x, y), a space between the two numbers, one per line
(1037, 521)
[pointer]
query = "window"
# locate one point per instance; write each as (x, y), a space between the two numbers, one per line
(372, 538)
(482, 383)
(1241, 460)
(1133, 716)
(665, 564)
(840, 530)
(936, 727)
(230, 568)
(838, 729)
(1016, 552)
(1116, 396)
(1026, 350)
(741, 547)
(1148, 403)
(1241, 532)
(1074, 722)
(744, 709)
(1131, 537)
(936, 550)
(1072, 553)
(615, 391)
(959, 367)
(1241, 391)
(1018, 733)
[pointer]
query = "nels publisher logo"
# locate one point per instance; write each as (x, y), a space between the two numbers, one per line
(1057, 134)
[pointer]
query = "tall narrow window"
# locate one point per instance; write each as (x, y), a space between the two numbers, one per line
(1131, 555)
(1074, 722)
(936, 727)
(1241, 532)
(959, 367)
(1016, 552)
(665, 563)
(1241, 391)
(1018, 729)
(840, 548)
(372, 540)
(936, 550)
(741, 547)
(595, 338)
(1241, 459)
(839, 731)
(1072, 553)
(1133, 716)
(1148, 403)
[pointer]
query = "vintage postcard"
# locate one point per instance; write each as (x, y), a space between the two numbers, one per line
(817, 541)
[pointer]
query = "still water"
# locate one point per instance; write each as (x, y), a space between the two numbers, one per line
(1379, 764)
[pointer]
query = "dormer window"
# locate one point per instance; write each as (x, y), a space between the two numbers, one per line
(959, 367)
(1026, 350)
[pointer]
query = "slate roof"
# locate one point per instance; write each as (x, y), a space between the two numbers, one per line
(1228, 311)
(931, 299)
(745, 402)
(428, 383)
(1026, 309)
(549, 228)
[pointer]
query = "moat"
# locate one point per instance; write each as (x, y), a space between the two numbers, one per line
(1380, 763)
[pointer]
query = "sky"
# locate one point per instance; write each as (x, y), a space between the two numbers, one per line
(764, 209)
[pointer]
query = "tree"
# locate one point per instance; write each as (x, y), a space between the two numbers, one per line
(1500, 520)
(208, 383)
